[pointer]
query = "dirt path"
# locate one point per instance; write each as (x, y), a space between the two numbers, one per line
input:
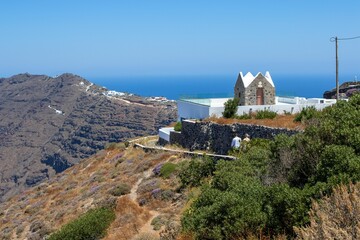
(147, 228)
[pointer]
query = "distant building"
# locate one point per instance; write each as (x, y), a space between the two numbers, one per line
(258, 90)
(256, 93)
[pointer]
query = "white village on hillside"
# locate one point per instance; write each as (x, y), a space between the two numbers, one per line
(254, 92)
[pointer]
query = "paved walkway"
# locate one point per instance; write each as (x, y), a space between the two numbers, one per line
(196, 154)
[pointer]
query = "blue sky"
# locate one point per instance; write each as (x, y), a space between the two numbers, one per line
(166, 37)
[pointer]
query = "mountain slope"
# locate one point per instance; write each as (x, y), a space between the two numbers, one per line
(48, 124)
(151, 198)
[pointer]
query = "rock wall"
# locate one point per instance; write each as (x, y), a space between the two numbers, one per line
(217, 137)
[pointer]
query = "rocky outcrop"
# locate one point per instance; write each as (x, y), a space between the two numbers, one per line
(217, 137)
(48, 124)
(346, 90)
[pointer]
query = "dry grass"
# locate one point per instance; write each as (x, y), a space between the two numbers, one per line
(335, 217)
(280, 121)
(129, 219)
(84, 186)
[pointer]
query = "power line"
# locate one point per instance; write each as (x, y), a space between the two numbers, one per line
(333, 39)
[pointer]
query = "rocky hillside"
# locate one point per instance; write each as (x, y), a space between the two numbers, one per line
(49, 124)
(146, 204)
(346, 90)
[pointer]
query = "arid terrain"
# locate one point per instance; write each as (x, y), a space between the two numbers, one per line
(48, 124)
(151, 202)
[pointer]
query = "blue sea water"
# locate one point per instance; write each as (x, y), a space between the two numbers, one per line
(176, 87)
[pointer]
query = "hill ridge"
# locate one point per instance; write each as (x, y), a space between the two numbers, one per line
(49, 123)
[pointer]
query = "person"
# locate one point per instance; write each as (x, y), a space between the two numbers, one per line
(236, 142)
(246, 138)
(245, 143)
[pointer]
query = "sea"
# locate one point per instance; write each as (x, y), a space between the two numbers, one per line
(215, 86)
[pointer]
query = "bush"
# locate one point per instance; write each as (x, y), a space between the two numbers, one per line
(306, 114)
(197, 169)
(121, 189)
(158, 222)
(230, 206)
(285, 207)
(230, 109)
(178, 127)
(244, 116)
(338, 160)
(167, 169)
(265, 114)
(91, 225)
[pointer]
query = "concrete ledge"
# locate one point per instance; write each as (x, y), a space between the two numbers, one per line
(189, 153)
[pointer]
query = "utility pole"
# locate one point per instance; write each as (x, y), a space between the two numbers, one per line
(337, 69)
(335, 39)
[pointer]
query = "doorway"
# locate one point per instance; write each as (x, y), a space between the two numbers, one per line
(260, 96)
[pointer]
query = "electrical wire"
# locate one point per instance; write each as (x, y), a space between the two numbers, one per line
(333, 39)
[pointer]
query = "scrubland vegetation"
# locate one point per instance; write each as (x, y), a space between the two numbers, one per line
(270, 190)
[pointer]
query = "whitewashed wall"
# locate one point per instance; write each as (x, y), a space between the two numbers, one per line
(190, 110)
(164, 133)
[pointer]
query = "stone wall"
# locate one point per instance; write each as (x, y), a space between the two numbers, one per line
(217, 137)
(177, 138)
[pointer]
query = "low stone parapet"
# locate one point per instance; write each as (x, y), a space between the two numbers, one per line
(217, 137)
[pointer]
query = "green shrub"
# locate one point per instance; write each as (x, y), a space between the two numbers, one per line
(121, 189)
(178, 127)
(91, 225)
(338, 160)
(230, 206)
(158, 222)
(244, 116)
(306, 114)
(167, 169)
(230, 109)
(285, 207)
(197, 169)
(265, 114)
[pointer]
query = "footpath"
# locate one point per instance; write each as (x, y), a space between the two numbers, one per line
(189, 153)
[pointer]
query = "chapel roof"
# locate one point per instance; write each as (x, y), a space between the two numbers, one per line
(249, 78)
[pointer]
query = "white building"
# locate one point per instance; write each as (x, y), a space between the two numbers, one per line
(204, 108)
(255, 93)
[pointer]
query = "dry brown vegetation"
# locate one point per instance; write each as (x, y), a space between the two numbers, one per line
(335, 217)
(280, 121)
(43, 209)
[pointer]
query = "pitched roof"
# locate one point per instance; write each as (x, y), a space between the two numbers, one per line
(249, 78)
